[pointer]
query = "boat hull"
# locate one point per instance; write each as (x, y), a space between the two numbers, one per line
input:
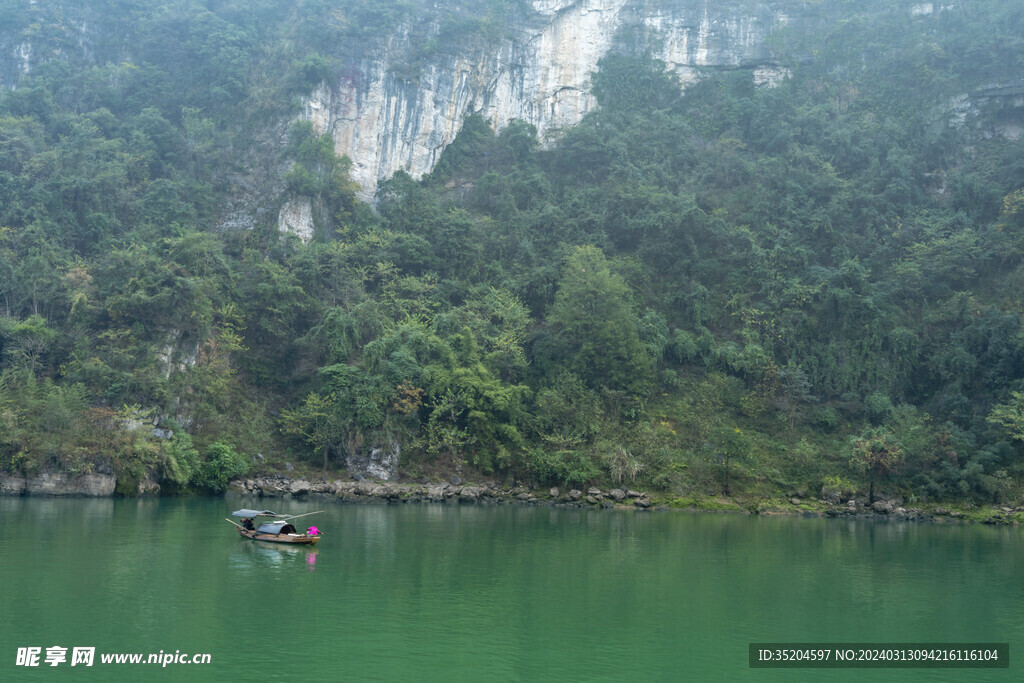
(294, 539)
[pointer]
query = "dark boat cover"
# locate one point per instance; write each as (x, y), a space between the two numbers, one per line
(275, 528)
(252, 513)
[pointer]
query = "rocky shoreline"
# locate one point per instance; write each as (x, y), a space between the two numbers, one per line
(1004, 516)
(489, 493)
(453, 491)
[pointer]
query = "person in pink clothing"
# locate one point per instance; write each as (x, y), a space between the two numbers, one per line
(312, 531)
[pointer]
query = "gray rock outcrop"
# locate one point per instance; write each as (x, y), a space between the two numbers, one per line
(59, 484)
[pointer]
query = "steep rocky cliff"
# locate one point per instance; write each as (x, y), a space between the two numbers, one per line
(395, 103)
(386, 122)
(397, 96)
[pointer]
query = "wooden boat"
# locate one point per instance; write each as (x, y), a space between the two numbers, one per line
(277, 530)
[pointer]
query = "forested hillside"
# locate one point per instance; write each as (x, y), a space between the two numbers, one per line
(736, 288)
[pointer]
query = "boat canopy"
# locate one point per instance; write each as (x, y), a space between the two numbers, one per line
(253, 513)
(275, 528)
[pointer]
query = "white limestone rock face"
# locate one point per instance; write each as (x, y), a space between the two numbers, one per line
(385, 123)
(377, 462)
(297, 217)
(12, 484)
(61, 484)
(990, 110)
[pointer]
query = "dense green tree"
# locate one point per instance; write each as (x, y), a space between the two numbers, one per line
(222, 463)
(312, 422)
(877, 454)
(593, 316)
(1010, 415)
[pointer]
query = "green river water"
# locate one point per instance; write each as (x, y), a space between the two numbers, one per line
(448, 592)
